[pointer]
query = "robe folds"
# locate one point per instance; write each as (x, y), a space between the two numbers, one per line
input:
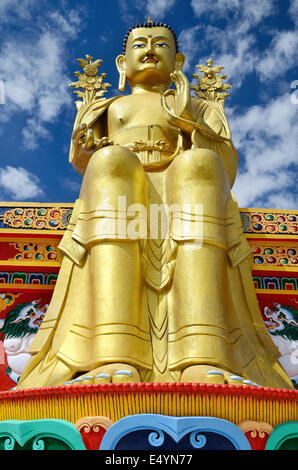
(160, 304)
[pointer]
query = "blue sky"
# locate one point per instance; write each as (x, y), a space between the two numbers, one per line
(256, 42)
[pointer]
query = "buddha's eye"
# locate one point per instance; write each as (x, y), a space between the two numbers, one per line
(136, 46)
(161, 44)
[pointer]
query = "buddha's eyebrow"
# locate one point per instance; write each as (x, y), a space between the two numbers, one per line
(161, 37)
(140, 38)
(145, 39)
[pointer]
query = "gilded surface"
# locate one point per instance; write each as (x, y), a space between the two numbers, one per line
(134, 302)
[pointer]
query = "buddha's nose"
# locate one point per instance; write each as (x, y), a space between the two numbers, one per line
(149, 49)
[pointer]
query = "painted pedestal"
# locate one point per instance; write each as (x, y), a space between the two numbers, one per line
(142, 416)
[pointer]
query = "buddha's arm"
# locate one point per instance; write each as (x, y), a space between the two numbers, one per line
(211, 116)
(204, 121)
(84, 143)
(89, 134)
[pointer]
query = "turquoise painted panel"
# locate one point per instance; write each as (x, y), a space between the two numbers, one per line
(284, 437)
(43, 434)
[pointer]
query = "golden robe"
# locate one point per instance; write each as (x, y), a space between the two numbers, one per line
(177, 306)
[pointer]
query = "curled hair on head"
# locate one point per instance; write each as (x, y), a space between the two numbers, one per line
(150, 24)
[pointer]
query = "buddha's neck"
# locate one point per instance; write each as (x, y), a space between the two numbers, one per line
(141, 88)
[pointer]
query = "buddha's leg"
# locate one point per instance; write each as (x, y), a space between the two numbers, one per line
(201, 319)
(98, 324)
(120, 325)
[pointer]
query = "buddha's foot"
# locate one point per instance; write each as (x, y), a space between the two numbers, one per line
(156, 376)
(109, 373)
(212, 375)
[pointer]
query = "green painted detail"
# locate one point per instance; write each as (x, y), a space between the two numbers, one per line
(41, 434)
(258, 281)
(17, 275)
(290, 444)
(51, 277)
(289, 280)
(41, 212)
(284, 437)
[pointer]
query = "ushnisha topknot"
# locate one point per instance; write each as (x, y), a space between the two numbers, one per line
(149, 24)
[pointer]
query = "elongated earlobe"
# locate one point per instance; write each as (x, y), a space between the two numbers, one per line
(120, 63)
(122, 81)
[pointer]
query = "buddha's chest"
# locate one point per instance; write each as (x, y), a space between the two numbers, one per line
(136, 110)
(140, 124)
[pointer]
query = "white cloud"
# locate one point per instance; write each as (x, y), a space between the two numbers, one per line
(33, 132)
(218, 7)
(125, 11)
(19, 184)
(250, 13)
(34, 73)
(227, 47)
(189, 45)
(236, 46)
(67, 25)
(281, 55)
(70, 184)
(9, 9)
(265, 135)
(285, 199)
(158, 8)
(294, 11)
(240, 60)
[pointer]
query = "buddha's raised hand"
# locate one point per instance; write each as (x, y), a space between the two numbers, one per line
(181, 105)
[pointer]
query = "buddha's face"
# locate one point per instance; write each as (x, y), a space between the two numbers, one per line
(150, 56)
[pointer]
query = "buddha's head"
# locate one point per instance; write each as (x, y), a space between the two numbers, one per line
(150, 55)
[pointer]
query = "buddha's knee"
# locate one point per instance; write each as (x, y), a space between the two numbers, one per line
(200, 165)
(112, 172)
(114, 161)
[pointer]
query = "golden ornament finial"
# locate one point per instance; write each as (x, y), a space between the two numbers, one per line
(90, 82)
(149, 20)
(210, 86)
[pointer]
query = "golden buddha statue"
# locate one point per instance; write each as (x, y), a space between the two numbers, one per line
(173, 307)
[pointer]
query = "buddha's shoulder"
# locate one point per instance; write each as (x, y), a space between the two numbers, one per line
(125, 103)
(121, 100)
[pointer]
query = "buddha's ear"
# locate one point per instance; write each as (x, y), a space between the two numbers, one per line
(180, 60)
(120, 63)
(121, 66)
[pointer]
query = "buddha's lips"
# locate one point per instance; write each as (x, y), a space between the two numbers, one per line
(150, 59)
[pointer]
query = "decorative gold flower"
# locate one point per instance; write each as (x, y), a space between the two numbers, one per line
(91, 69)
(89, 81)
(210, 86)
